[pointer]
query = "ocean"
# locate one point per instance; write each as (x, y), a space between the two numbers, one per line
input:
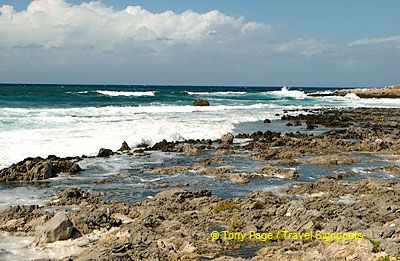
(75, 120)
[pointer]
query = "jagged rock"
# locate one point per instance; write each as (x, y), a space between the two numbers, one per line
(66, 166)
(180, 195)
(34, 169)
(279, 173)
(227, 139)
(105, 153)
(172, 170)
(124, 147)
(22, 218)
(201, 102)
(190, 149)
(333, 159)
(211, 160)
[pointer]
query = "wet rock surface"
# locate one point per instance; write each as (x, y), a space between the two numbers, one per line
(35, 169)
(105, 153)
(176, 224)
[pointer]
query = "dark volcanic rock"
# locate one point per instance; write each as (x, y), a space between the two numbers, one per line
(267, 121)
(105, 153)
(201, 102)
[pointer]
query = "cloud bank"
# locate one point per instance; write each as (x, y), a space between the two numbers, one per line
(58, 24)
(56, 41)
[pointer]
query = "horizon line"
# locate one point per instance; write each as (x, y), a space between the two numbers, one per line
(191, 85)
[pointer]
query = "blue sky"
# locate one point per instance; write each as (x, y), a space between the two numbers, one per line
(294, 43)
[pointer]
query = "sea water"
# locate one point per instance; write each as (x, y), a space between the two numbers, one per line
(72, 120)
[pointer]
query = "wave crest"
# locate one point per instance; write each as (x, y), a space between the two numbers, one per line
(217, 93)
(285, 92)
(122, 93)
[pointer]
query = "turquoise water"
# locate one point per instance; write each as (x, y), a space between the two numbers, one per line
(68, 96)
(39, 120)
(71, 120)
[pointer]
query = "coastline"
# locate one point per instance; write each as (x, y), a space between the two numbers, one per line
(388, 92)
(177, 222)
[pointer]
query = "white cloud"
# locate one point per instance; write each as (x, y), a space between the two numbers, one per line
(306, 47)
(56, 41)
(58, 24)
(375, 41)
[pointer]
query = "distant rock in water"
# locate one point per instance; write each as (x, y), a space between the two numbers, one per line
(124, 147)
(105, 153)
(267, 121)
(34, 169)
(201, 102)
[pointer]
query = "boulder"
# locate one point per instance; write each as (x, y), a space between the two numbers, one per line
(201, 102)
(57, 228)
(105, 153)
(124, 147)
(267, 121)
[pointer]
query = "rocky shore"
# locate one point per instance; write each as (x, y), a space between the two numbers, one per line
(179, 224)
(392, 92)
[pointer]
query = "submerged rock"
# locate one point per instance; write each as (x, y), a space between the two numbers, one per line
(201, 102)
(279, 173)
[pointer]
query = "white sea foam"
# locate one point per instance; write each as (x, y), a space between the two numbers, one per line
(82, 92)
(285, 92)
(77, 131)
(228, 93)
(121, 93)
(352, 96)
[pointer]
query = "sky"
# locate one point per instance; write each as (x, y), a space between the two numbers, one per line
(208, 42)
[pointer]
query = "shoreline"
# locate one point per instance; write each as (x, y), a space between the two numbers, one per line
(388, 92)
(177, 222)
